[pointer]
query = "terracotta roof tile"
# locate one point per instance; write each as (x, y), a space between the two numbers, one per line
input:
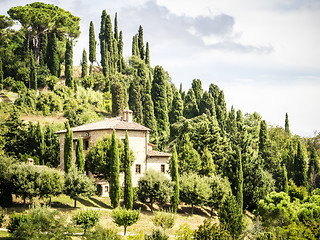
(108, 123)
(154, 153)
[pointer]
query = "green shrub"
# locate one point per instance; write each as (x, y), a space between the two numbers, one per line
(296, 192)
(49, 102)
(164, 220)
(18, 87)
(156, 235)
(209, 230)
(51, 81)
(184, 232)
(15, 220)
(101, 233)
(266, 236)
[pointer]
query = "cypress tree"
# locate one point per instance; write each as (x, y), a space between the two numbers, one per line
(114, 172)
(231, 124)
(221, 110)
(1, 75)
(215, 92)
(103, 51)
(39, 143)
(53, 56)
(140, 43)
(239, 179)
(115, 57)
(69, 64)
(128, 190)
(159, 97)
(33, 74)
(263, 140)
(68, 148)
(79, 155)
(197, 89)
(190, 105)
(300, 165)
(177, 108)
(207, 165)
(149, 119)
(43, 50)
(147, 59)
(313, 170)
(92, 44)
(207, 105)
(116, 37)
(285, 185)
(174, 178)
(135, 48)
(135, 102)
(84, 64)
(287, 130)
(117, 92)
(121, 63)
(105, 61)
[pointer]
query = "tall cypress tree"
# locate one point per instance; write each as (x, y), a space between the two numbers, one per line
(116, 37)
(135, 102)
(68, 148)
(140, 43)
(84, 64)
(174, 178)
(313, 170)
(92, 44)
(43, 49)
(53, 56)
(207, 165)
(149, 119)
(287, 124)
(117, 98)
(1, 75)
(159, 97)
(239, 178)
(102, 38)
(147, 59)
(135, 48)
(114, 172)
(128, 190)
(177, 108)
(190, 105)
(207, 105)
(39, 143)
(79, 155)
(197, 89)
(221, 110)
(300, 167)
(69, 64)
(33, 74)
(121, 63)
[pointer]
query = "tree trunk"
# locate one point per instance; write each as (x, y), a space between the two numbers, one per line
(24, 201)
(75, 203)
(50, 201)
(36, 46)
(192, 209)
(125, 230)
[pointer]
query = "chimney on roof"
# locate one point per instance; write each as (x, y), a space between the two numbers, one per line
(127, 115)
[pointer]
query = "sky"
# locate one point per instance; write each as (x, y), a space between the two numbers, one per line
(263, 54)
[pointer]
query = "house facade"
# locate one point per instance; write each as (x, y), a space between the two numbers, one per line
(145, 158)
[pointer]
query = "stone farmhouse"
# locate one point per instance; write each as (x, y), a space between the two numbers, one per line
(145, 158)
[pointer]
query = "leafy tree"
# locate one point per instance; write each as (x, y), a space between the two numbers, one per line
(50, 183)
(53, 19)
(140, 43)
(114, 172)
(79, 155)
(128, 190)
(92, 44)
(78, 185)
(125, 217)
(154, 187)
(276, 210)
(164, 220)
(147, 58)
(230, 216)
(117, 98)
(68, 148)
(86, 219)
(84, 64)
(157, 234)
(69, 64)
(175, 178)
(300, 165)
(313, 170)
(194, 190)
(159, 97)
